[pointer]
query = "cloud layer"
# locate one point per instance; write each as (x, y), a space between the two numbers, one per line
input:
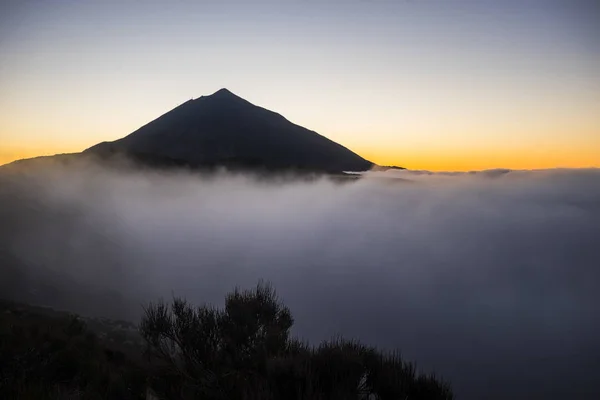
(490, 279)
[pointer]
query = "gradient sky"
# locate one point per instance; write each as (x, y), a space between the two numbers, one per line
(439, 85)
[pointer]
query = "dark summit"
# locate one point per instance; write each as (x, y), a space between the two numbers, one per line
(225, 130)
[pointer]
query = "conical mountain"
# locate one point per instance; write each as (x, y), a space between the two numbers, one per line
(225, 130)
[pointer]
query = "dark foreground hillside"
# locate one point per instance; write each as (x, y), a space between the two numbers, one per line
(243, 351)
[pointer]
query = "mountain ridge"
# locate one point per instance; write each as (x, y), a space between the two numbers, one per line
(223, 129)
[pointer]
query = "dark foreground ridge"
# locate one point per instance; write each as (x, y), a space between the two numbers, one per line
(243, 351)
(224, 130)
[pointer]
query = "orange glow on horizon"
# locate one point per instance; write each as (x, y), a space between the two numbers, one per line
(8, 155)
(416, 160)
(524, 159)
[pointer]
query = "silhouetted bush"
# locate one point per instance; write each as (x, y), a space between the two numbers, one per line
(216, 353)
(244, 351)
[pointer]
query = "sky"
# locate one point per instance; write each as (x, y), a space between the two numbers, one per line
(424, 84)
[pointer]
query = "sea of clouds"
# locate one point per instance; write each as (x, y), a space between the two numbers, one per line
(490, 279)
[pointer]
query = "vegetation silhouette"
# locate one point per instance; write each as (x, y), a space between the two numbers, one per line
(179, 351)
(244, 351)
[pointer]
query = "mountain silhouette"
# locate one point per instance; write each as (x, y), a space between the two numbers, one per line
(225, 130)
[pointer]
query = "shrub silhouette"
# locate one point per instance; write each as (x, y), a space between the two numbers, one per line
(242, 351)
(245, 351)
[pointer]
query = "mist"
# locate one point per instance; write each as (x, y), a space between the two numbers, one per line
(490, 279)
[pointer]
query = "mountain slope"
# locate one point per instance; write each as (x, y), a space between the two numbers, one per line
(225, 130)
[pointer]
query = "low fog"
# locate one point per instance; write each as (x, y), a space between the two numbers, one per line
(489, 279)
